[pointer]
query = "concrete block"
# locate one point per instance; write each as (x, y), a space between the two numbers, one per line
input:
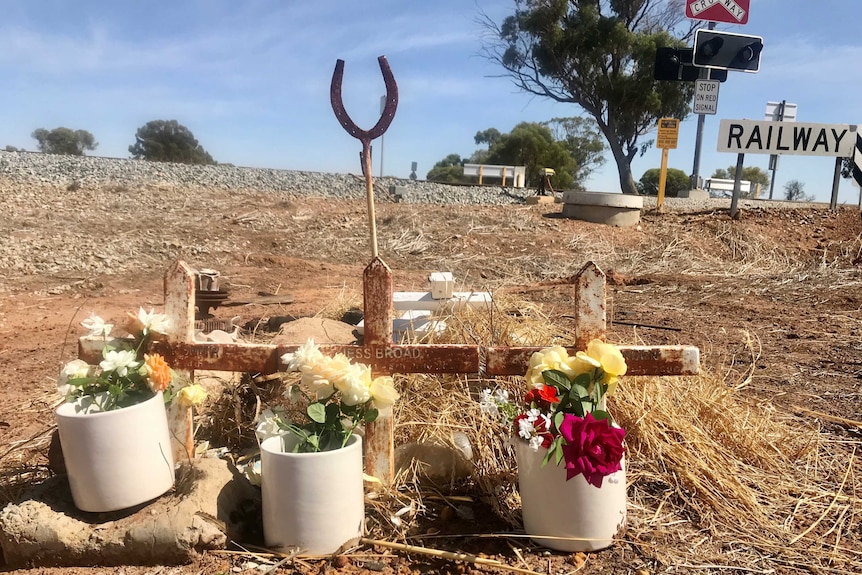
(534, 200)
(406, 300)
(412, 323)
(693, 194)
(620, 210)
(442, 284)
(399, 193)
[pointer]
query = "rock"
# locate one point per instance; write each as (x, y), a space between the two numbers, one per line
(210, 502)
(322, 330)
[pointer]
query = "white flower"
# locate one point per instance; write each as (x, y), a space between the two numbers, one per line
(535, 443)
(121, 361)
(75, 369)
(253, 472)
(267, 425)
(151, 321)
(488, 404)
(534, 414)
(304, 358)
(355, 384)
(318, 385)
(293, 394)
(97, 326)
(501, 396)
(526, 429)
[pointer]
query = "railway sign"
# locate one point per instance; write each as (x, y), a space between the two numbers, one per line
(668, 133)
(727, 11)
(761, 137)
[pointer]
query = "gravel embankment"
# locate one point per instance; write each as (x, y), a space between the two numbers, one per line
(66, 172)
(29, 169)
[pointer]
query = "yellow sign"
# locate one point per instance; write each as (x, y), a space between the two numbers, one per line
(668, 131)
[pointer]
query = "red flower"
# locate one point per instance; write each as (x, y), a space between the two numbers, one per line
(543, 396)
(593, 447)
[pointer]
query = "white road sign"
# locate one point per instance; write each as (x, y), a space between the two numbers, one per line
(706, 96)
(773, 109)
(761, 137)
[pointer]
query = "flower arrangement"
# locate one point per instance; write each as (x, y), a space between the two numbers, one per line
(340, 397)
(564, 409)
(127, 374)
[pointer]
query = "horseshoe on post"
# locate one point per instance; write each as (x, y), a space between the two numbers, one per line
(365, 136)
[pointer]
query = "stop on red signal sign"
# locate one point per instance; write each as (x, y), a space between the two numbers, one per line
(727, 11)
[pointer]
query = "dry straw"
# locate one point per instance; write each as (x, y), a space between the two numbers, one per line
(716, 479)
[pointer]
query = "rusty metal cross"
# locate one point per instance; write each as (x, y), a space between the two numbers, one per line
(385, 357)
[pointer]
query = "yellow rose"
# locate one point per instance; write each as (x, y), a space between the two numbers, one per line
(383, 392)
(551, 358)
(191, 395)
(609, 357)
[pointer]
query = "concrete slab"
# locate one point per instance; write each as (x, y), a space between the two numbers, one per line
(693, 194)
(210, 503)
(620, 210)
(534, 200)
(413, 323)
(407, 300)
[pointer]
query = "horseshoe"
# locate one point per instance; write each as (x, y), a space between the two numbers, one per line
(365, 136)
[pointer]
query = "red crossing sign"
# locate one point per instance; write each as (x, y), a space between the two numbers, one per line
(727, 11)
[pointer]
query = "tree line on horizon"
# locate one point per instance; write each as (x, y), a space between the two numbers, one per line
(155, 141)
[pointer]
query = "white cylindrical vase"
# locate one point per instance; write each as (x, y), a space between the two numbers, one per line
(312, 502)
(568, 515)
(116, 459)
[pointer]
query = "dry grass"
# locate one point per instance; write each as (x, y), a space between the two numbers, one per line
(715, 480)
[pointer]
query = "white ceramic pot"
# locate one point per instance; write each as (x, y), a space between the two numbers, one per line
(314, 502)
(572, 515)
(116, 459)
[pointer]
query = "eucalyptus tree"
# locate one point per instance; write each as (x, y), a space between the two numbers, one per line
(599, 55)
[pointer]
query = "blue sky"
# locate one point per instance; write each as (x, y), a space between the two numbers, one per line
(250, 78)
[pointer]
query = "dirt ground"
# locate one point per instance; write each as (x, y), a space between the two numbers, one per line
(773, 296)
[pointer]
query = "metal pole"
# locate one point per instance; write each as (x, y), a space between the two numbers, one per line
(737, 185)
(698, 141)
(836, 179)
(382, 106)
(775, 165)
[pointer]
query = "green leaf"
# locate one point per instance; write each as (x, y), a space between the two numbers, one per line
(317, 412)
(556, 378)
(600, 414)
(555, 446)
(558, 419)
(371, 415)
(584, 380)
(333, 413)
(558, 455)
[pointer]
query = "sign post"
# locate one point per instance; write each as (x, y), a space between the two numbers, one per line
(782, 111)
(668, 134)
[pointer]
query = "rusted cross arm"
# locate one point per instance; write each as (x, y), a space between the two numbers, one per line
(641, 359)
(266, 358)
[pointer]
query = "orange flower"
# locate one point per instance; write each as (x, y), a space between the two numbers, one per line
(158, 373)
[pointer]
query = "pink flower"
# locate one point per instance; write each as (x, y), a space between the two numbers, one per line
(593, 447)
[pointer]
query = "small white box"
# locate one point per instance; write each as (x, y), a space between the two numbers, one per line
(442, 285)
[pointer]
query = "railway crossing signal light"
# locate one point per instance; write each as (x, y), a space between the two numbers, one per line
(727, 51)
(674, 64)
